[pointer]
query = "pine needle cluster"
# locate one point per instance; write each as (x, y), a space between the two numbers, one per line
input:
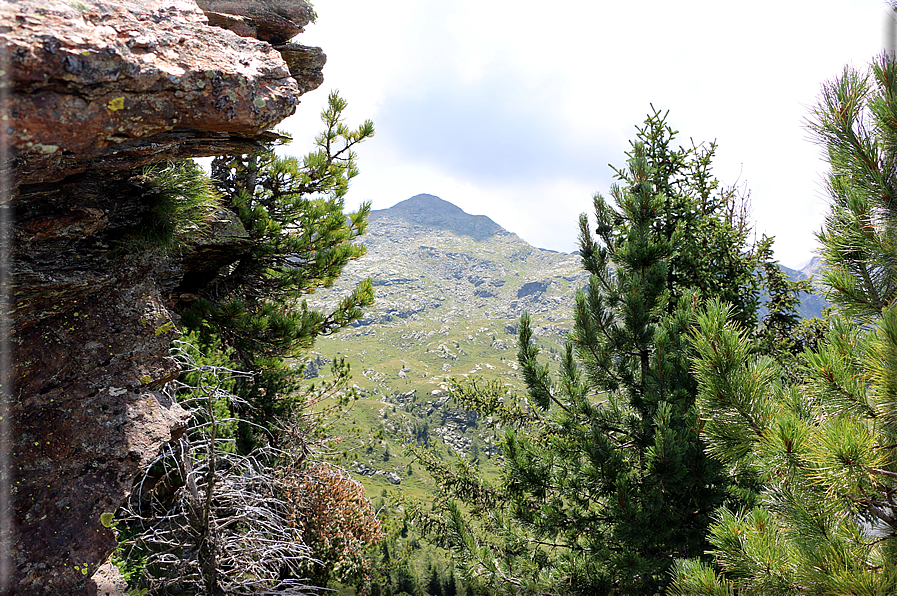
(821, 451)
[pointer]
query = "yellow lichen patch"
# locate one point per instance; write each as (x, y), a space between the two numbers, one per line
(146, 379)
(164, 328)
(116, 104)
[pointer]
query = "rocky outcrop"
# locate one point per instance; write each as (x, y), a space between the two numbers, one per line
(94, 90)
(107, 85)
(532, 288)
(274, 21)
(88, 414)
(277, 22)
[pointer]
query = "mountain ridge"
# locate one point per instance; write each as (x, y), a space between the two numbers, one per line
(426, 255)
(450, 288)
(431, 211)
(811, 305)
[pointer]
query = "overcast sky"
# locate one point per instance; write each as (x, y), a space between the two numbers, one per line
(515, 109)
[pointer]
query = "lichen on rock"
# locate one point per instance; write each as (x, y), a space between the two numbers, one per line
(93, 81)
(97, 89)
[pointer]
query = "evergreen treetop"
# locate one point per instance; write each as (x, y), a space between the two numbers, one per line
(856, 122)
(300, 240)
(822, 449)
(605, 480)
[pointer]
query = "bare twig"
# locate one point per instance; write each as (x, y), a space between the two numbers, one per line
(206, 520)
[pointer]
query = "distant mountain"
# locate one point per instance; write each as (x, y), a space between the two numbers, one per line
(429, 260)
(429, 211)
(434, 265)
(814, 267)
(811, 305)
(450, 288)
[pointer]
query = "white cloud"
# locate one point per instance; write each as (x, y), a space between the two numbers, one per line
(513, 110)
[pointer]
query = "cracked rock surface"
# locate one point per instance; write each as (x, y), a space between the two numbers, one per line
(95, 90)
(102, 84)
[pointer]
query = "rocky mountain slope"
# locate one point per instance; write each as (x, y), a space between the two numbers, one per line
(811, 305)
(431, 261)
(450, 288)
(448, 282)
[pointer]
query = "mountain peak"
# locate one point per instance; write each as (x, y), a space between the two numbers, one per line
(426, 201)
(431, 211)
(814, 267)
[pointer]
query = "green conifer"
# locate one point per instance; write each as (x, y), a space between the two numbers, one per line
(822, 451)
(434, 586)
(299, 240)
(604, 474)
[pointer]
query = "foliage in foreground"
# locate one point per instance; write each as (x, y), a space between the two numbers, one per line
(243, 503)
(180, 200)
(299, 240)
(823, 451)
(204, 519)
(820, 452)
(605, 479)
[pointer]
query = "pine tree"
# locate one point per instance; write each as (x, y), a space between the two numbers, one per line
(783, 334)
(605, 474)
(405, 582)
(299, 240)
(855, 122)
(434, 586)
(449, 588)
(822, 451)
(251, 316)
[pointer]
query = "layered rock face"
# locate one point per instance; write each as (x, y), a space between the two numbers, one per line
(93, 80)
(93, 90)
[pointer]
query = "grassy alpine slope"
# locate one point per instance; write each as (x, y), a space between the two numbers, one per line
(450, 288)
(449, 291)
